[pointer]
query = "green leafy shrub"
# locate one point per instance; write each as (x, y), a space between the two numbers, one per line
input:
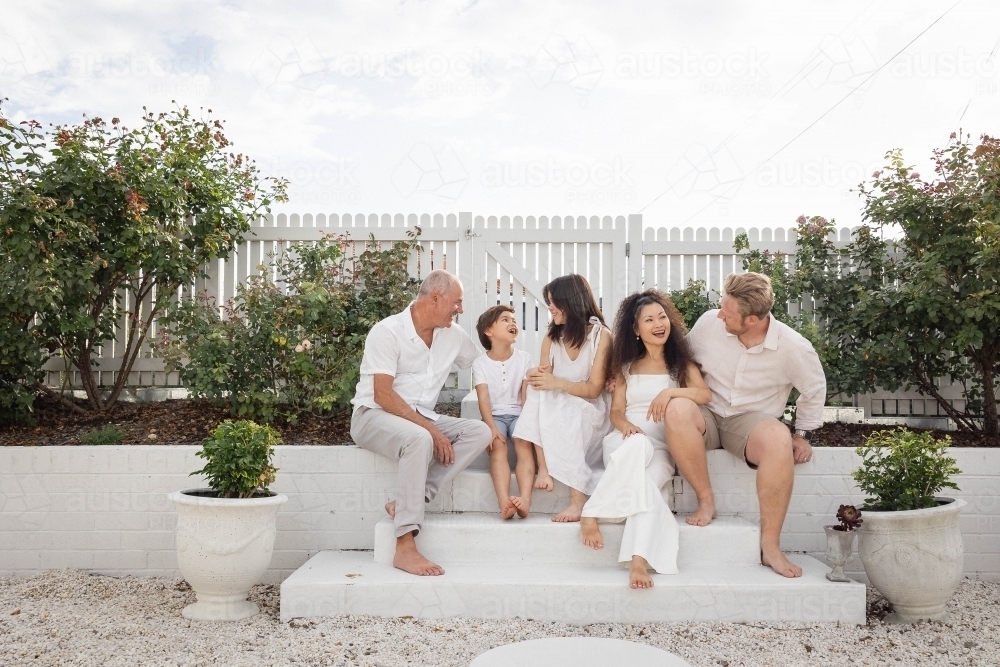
(96, 218)
(903, 470)
(238, 456)
(106, 435)
(280, 349)
(939, 314)
(693, 301)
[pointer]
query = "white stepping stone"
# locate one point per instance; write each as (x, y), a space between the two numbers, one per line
(578, 652)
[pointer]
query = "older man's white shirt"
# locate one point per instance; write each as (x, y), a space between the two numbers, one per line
(394, 348)
(760, 378)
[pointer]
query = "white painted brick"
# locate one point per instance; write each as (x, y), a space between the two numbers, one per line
(118, 561)
(164, 559)
(983, 563)
(147, 540)
(124, 521)
(58, 559)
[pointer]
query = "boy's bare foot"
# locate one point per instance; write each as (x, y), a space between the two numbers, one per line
(704, 514)
(774, 558)
(638, 576)
(390, 508)
(543, 482)
(508, 509)
(569, 515)
(523, 505)
(408, 559)
(591, 533)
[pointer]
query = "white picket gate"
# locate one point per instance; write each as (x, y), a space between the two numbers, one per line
(506, 259)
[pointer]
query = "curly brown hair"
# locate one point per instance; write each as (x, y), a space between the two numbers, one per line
(626, 346)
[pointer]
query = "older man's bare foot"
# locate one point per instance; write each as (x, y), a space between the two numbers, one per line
(390, 508)
(638, 574)
(408, 559)
(704, 515)
(591, 533)
(569, 515)
(508, 509)
(523, 506)
(543, 482)
(775, 559)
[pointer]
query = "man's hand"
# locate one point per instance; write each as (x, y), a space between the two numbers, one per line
(443, 451)
(802, 451)
(658, 408)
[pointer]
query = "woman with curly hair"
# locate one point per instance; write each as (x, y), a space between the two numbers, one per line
(657, 420)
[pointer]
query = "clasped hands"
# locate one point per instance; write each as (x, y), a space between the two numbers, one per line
(541, 377)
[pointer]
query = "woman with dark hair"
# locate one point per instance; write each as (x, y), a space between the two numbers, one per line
(565, 413)
(654, 410)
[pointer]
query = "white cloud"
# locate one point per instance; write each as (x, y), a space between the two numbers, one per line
(338, 96)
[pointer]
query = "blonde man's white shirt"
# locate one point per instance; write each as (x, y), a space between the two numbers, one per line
(760, 378)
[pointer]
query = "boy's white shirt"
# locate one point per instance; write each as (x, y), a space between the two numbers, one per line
(503, 379)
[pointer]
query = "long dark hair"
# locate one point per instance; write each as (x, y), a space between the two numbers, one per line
(626, 346)
(571, 294)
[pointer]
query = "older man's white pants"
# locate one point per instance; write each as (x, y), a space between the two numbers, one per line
(420, 476)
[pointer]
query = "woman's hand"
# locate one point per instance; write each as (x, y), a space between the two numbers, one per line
(541, 378)
(658, 408)
(631, 429)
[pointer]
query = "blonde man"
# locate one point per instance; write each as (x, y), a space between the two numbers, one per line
(751, 362)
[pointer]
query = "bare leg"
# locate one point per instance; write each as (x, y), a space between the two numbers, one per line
(638, 574)
(390, 509)
(770, 449)
(524, 471)
(685, 427)
(544, 480)
(408, 559)
(500, 472)
(591, 533)
(577, 499)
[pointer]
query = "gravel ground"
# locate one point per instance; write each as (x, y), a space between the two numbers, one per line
(70, 617)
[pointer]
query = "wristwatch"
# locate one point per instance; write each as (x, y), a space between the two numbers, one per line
(808, 435)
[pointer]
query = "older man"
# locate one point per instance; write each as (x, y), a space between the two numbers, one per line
(407, 359)
(751, 362)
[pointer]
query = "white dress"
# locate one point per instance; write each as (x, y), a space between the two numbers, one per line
(568, 428)
(638, 467)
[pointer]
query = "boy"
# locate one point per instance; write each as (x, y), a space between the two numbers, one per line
(498, 376)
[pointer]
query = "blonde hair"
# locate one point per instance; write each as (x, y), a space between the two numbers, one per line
(752, 293)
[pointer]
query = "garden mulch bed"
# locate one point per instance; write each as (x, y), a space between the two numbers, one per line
(189, 421)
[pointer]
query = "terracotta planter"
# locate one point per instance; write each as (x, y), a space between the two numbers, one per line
(914, 558)
(224, 548)
(839, 551)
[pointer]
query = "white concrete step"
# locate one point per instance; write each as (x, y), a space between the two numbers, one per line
(350, 582)
(472, 491)
(486, 538)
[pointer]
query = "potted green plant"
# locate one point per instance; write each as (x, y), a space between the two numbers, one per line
(840, 540)
(225, 533)
(910, 543)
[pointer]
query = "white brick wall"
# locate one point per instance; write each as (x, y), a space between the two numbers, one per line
(105, 508)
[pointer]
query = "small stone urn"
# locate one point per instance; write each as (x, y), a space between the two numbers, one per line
(839, 551)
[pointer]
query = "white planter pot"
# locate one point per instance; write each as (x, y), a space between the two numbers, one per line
(224, 547)
(914, 558)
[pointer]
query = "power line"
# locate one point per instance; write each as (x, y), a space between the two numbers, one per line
(824, 114)
(791, 83)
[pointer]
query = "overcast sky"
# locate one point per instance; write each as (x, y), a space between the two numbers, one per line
(680, 110)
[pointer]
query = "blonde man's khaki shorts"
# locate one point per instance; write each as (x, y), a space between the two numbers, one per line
(731, 433)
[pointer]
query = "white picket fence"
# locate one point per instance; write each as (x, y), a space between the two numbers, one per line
(506, 259)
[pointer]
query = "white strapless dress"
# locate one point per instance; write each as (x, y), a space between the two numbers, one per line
(637, 471)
